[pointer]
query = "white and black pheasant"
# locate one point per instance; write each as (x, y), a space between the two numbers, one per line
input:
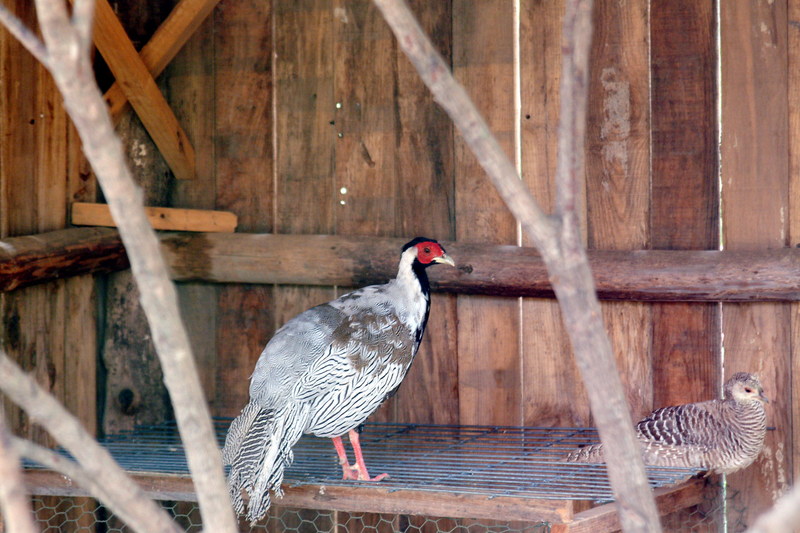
(324, 372)
(720, 436)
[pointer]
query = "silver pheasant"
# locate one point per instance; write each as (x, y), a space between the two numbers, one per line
(324, 372)
(720, 436)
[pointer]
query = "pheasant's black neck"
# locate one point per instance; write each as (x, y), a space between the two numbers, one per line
(424, 285)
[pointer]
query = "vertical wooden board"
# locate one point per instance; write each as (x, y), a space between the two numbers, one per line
(365, 81)
(133, 387)
(618, 171)
(304, 125)
(488, 327)
(20, 123)
(243, 112)
(189, 79)
(553, 392)
(684, 194)
(80, 348)
(755, 187)
(794, 215)
(423, 159)
(244, 182)
(305, 118)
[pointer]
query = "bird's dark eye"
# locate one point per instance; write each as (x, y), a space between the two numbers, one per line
(427, 250)
(748, 390)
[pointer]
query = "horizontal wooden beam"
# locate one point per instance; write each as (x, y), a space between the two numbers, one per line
(340, 498)
(59, 254)
(559, 513)
(649, 275)
(161, 218)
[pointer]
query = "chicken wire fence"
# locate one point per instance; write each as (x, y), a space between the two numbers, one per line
(83, 515)
(442, 461)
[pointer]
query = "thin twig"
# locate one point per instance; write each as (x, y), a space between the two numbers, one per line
(23, 34)
(557, 238)
(73, 74)
(95, 460)
(14, 503)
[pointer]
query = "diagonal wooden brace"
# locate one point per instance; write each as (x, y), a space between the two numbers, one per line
(170, 37)
(142, 92)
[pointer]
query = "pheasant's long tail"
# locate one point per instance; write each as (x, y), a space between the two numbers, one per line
(258, 449)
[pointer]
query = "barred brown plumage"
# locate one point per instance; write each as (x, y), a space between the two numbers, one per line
(720, 436)
(324, 372)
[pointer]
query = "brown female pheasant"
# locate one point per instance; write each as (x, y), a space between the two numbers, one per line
(720, 436)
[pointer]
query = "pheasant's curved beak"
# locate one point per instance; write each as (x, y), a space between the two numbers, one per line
(445, 259)
(763, 397)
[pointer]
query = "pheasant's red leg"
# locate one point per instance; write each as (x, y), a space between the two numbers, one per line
(361, 467)
(348, 472)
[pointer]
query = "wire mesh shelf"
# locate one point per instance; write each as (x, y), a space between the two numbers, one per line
(492, 461)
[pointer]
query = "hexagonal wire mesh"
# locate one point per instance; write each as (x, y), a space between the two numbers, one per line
(84, 515)
(493, 450)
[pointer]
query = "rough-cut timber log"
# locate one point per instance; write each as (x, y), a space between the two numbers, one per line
(648, 275)
(645, 275)
(59, 254)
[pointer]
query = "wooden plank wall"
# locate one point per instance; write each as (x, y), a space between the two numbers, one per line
(49, 329)
(38, 173)
(306, 118)
(755, 204)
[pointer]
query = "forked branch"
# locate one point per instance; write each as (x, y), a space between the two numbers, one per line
(66, 56)
(557, 238)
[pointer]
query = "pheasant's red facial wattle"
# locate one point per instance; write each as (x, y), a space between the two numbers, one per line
(428, 251)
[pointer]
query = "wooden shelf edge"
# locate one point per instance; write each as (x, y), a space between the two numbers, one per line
(605, 518)
(339, 498)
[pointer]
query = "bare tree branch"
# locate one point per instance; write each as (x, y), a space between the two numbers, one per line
(83, 22)
(95, 460)
(14, 503)
(72, 71)
(784, 517)
(23, 34)
(557, 238)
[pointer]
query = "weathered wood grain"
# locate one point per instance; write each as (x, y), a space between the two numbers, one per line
(339, 498)
(652, 275)
(644, 275)
(755, 178)
(424, 162)
(605, 517)
(483, 57)
(684, 192)
(142, 92)
(189, 80)
(244, 159)
(793, 94)
(132, 387)
(161, 218)
(305, 122)
(617, 177)
(553, 389)
(182, 22)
